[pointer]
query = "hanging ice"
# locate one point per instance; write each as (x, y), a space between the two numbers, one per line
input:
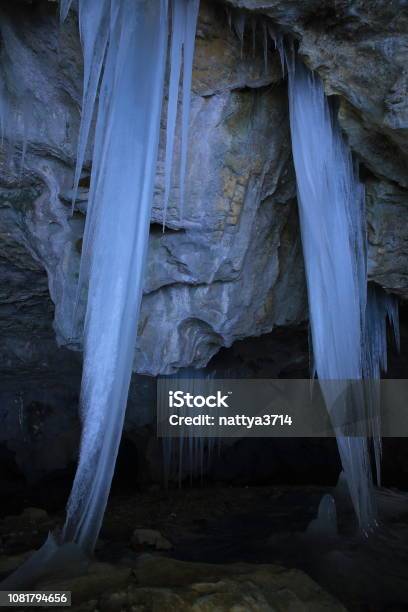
(191, 454)
(64, 8)
(124, 44)
(184, 20)
(348, 326)
(94, 22)
(117, 229)
(331, 205)
(380, 308)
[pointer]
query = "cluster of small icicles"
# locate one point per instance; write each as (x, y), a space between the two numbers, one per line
(190, 456)
(259, 31)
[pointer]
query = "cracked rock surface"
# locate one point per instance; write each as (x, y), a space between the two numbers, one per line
(232, 267)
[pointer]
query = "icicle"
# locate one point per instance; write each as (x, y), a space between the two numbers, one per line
(177, 38)
(94, 32)
(115, 242)
(279, 46)
(253, 29)
(192, 454)
(133, 38)
(229, 18)
(330, 205)
(239, 19)
(268, 33)
(265, 45)
(185, 14)
(380, 308)
(65, 5)
(191, 24)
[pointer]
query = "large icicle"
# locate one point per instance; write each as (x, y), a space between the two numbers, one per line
(330, 204)
(116, 237)
(94, 32)
(129, 39)
(348, 324)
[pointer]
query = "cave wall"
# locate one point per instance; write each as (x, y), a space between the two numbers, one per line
(232, 267)
(359, 49)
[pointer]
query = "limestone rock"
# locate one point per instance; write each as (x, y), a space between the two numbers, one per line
(387, 214)
(231, 268)
(358, 47)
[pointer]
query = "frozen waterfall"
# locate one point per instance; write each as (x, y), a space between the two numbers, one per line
(124, 45)
(117, 229)
(125, 48)
(348, 331)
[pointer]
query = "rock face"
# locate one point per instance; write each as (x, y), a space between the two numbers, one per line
(232, 267)
(359, 48)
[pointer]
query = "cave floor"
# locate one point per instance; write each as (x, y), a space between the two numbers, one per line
(257, 525)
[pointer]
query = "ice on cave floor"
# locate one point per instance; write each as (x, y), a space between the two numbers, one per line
(50, 560)
(325, 524)
(65, 5)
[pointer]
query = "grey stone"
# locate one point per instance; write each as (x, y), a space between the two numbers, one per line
(359, 49)
(232, 266)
